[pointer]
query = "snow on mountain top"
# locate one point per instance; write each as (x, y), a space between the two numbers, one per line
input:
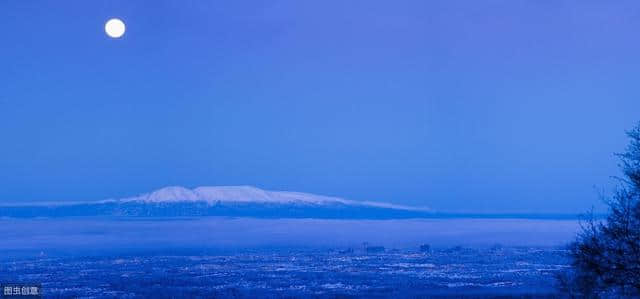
(246, 194)
(231, 194)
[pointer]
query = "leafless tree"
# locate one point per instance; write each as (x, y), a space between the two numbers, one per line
(605, 257)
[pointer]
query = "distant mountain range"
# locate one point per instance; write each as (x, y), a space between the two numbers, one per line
(233, 201)
(242, 201)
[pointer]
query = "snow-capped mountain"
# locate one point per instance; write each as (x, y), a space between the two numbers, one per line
(236, 194)
(235, 201)
(249, 194)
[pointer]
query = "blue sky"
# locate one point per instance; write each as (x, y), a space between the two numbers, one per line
(486, 106)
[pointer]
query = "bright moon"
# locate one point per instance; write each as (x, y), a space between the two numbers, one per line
(114, 28)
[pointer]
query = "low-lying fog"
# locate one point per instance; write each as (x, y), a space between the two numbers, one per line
(97, 234)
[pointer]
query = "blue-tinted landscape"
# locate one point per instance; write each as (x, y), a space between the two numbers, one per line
(319, 149)
(245, 242)
(275, 258)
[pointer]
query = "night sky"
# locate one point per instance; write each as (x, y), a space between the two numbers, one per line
(481, 106)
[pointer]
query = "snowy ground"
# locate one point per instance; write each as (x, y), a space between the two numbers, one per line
(284, 257)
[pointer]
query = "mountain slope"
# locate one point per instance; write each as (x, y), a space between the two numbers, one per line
(234, 201)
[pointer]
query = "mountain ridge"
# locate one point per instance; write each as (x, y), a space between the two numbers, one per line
(231, 201)
(250, 194)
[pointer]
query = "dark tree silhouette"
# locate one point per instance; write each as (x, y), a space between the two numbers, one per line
(605, 257)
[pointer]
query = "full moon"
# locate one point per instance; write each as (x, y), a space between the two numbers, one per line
(114, 28)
